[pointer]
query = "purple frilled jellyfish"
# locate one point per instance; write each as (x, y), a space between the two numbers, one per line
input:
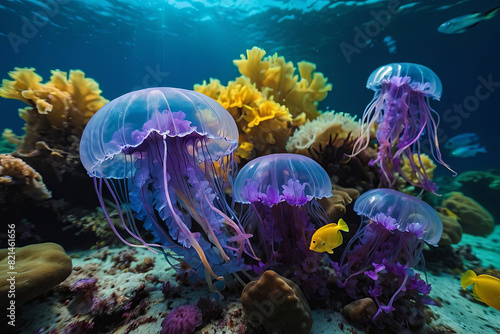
(388, 244)
(281, 191)
(162, 153)
(401, 113)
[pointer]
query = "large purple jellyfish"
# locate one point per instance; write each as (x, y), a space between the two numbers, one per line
(281, 191)
(402, 115)
(388, 244)
(156, 151)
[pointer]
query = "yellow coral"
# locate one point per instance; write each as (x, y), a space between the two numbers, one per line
(329, 126)
(428, 168)
(267, 101)
(264, 125)
(275, 76)
(72, 100)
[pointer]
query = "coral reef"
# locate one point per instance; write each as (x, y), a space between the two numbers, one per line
(39, 268)
(57, 113)
(473, 217)
(277, 304)
(361, 310)
(329, 139)
(268, 101)
(15, 173)
(275, 75)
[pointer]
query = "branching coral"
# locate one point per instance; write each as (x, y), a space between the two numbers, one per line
(63, 105)
(276, 76)
(16, 172)
(268, 101)
(62, 99)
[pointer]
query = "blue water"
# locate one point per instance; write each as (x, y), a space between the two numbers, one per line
(121, 44)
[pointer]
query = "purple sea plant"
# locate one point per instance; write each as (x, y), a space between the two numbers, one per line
(387, 246)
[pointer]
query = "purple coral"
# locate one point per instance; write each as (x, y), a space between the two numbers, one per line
(182, 320)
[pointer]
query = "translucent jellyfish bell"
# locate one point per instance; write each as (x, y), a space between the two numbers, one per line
(126, 121)
(275, 171)
(420, 75)
(406, 209)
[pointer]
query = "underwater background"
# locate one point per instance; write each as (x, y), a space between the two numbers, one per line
(131, 45)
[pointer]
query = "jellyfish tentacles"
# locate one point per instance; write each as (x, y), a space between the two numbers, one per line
(401, 111)
(390, 239)
(155, 150)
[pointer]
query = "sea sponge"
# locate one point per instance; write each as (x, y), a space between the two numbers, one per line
(72, 100)
(452, 230)
(275, 75)
(473, 217)
(277, 304)
(38, 269)
(15, 172)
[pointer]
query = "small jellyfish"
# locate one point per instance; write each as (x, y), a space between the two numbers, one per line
(155, 150)
(390, 239)
(281, 191)
(402, 115)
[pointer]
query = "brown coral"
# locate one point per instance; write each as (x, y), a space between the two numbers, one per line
(473, 217)
(277, 304)
(17, 173)
(38, 269)
(335, 206)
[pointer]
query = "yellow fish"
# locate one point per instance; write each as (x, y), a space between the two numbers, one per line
(485, 288)
(328, 237)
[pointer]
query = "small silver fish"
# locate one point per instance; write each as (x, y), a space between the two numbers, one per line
(465, 139)
(468, 151)
(460, 24)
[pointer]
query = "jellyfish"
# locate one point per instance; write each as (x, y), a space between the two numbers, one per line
(281, 192)
(388, 244)
(163, 153)
(401, 112)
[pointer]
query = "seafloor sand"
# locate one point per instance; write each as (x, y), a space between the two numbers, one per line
(457, 312)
